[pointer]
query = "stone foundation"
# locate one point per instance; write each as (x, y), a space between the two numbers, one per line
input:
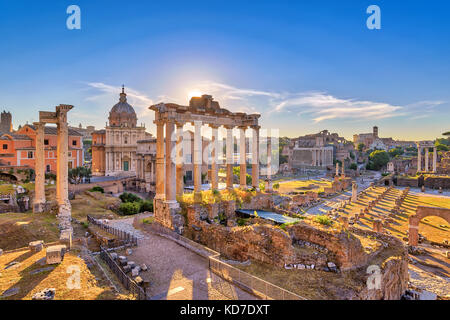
(168, 216)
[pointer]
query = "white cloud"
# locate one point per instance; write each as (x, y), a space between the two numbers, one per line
(318, 106)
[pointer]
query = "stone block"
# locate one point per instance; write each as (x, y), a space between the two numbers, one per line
(135, 272)
(46, 294)
(36, 246)
(66, 238)
(55, 254)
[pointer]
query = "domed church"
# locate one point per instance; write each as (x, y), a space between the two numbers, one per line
(114, 148)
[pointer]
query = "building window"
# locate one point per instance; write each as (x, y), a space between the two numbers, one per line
(188, 175)
(69, 154)
(48, 168)
(74, 142)
(46, 142)
(5, 147)
(30, 154)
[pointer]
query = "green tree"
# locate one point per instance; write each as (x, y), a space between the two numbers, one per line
(398, 151)
(77, 174)
(353, 166)
(378, 159)
(361, 147)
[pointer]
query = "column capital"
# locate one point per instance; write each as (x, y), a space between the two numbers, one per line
(159, 122)
(228, 127)
(255, 127)
(213, 126)
(179, 124)
(243, 127)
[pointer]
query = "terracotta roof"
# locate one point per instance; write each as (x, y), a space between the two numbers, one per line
(50, 130)
(14, 136)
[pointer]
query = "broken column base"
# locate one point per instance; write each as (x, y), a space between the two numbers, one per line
(168, 214)
(39, 207)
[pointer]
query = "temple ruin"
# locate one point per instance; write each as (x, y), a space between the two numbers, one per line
(59, 117)
(203, 110)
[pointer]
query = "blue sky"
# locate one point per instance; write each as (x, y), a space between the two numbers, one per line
(304, 65)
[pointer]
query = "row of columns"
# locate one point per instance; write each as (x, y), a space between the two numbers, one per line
(419, 159)
(169, 184)
(321, 157)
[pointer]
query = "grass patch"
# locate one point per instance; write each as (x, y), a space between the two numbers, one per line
(324, 220)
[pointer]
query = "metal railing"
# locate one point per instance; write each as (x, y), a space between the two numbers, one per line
(250, 283)
(120, 234)
(126, 281)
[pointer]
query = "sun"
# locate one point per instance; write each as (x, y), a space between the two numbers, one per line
(194, 93)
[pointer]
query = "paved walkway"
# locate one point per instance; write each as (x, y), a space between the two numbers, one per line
(127, 226)
(176, 273)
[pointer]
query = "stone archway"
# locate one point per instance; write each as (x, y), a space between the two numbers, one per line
(421, 213)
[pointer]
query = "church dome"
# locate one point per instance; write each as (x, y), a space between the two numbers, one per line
(122, 114)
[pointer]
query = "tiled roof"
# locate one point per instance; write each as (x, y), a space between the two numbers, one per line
(15, 136)
(53, 131)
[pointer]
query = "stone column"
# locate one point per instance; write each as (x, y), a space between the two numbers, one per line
(269, 164)
(159, 159)
(179, 160)
(323, 157)
(229, 156)
(255, 157)
(198, 159)
(337, 169)
(242, 155)
(214, 156)
(62, 183)
(170, 164)
(434, 159)
(313, 152)
(354, 192)
(39, 193)
(419, 159)
(427, 157)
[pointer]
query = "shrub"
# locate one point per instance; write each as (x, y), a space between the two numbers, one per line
(97, 189)
(129, 197)
(146, 205)
(129, 208)
(241, 221)
(276, 186)
(325, 220)
(148, 220)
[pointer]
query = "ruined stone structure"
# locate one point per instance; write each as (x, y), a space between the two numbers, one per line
(203, 110)
(318, 150)
(421, 213)
(426, 145)
(146, 165)
(62, 196)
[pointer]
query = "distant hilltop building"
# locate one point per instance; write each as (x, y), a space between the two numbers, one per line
(6, 122)
(317, 150)
(373, 141)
